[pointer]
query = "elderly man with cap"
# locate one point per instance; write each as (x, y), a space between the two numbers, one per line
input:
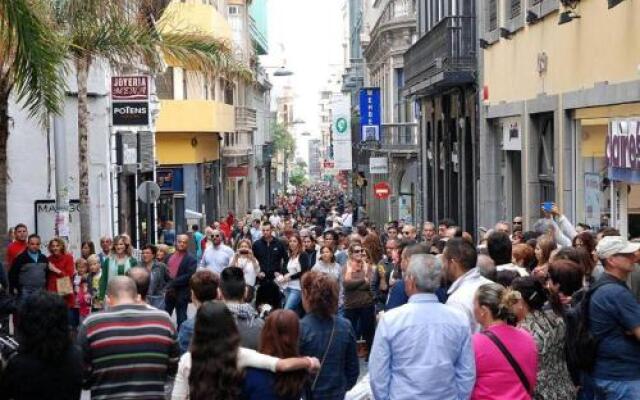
(614, 320)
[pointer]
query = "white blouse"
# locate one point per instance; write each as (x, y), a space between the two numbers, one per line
(246, 358)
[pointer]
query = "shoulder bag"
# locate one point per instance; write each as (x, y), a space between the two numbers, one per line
(510, 359)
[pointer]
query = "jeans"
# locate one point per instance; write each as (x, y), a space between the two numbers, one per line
(179, 306)
(616, 390)
(293, 299)
(363, 321)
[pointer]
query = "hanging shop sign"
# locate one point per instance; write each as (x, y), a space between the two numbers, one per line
(341, 119)
(342, 156)
(623, 150)
(237, 172)
(130, 100)
(382, 190)
(378, 165)
(370, 114)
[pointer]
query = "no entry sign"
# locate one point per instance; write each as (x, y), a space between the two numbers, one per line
(382, 190)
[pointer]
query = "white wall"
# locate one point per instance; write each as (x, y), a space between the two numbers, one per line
(32, 177)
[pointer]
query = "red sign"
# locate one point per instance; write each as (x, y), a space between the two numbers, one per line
(237, 172)
(382, 190)
(130, 88)
(329, 164)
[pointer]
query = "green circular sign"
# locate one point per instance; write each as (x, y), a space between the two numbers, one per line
(341, 125)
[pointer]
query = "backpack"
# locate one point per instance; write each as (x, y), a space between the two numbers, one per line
(582, 346)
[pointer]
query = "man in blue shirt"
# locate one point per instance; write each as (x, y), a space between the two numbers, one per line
(614, 319)
(422, 350)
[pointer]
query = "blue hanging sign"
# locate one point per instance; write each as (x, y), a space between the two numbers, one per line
(370, 114)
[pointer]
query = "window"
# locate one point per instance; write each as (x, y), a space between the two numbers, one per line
(515, 8)
(164, 85)
(492, 15)
(184, 85)
(228, 93)
(233, 10)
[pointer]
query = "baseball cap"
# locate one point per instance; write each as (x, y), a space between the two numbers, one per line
(612, 245)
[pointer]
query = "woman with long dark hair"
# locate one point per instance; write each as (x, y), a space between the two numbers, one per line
(47, 365)
(279, 338)
(548, 330)
(213, 366)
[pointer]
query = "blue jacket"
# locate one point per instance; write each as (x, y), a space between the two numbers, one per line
(341, 368)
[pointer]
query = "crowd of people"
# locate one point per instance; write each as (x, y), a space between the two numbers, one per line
(290, 302)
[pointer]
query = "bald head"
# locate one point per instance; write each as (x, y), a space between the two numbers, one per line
(142, 279)
(121, 290)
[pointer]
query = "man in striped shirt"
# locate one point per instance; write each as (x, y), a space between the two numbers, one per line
(130, 349)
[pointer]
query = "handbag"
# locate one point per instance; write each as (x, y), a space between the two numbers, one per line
(64, 286)
(510, 359)
(309, 391)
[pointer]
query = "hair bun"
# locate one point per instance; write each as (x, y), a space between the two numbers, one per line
(509, 298)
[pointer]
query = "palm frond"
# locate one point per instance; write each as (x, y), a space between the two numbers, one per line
(203, 53)
(37, 55)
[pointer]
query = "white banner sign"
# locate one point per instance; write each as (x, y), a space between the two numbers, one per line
(341, 119)
(378, 165)
(342, 156)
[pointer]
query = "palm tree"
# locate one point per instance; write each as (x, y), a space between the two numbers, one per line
(30, 58)
(123, 33)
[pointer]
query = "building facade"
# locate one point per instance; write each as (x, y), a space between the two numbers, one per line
(197, 114)
(440, 77)
(561, 101)
(315, 160)
(390, 29)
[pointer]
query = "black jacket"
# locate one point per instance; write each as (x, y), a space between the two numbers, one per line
(180, 284)
(28, 378)
(25, 273)
(272, 256)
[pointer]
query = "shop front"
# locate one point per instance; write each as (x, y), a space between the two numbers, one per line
(608, 168)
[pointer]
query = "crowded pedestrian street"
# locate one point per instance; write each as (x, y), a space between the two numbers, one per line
(320, 200)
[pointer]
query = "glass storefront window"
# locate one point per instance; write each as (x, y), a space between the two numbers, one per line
(593, 193)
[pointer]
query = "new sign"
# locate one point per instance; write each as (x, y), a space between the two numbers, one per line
(623, 150)
(130, 100)
(378, 165)
(370, 114)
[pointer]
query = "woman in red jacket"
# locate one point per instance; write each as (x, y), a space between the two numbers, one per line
(60, 266)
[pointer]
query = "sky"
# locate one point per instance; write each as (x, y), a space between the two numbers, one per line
(307, 35)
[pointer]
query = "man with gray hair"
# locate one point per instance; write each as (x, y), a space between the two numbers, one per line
(422, 342)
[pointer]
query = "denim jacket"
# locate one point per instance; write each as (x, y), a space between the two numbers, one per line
(341, 368)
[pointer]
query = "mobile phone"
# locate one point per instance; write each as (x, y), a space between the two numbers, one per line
(547, 206)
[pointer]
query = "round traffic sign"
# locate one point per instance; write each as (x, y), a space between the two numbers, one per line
(148, 192)
(382, 190)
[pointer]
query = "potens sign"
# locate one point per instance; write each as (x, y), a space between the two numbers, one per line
(127, 113)
(130, 100)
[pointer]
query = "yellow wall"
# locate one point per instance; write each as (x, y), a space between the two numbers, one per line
(198, 17)
(195, 116)
(178, 148)
(603, 45)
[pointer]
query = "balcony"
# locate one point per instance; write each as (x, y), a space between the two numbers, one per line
(401, 138)
(237, 151)
(195, 116)
(445, 56)
(396, 13)
(246, 119)
(194, 17)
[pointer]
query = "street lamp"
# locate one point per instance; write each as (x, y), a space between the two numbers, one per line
(282, 71)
